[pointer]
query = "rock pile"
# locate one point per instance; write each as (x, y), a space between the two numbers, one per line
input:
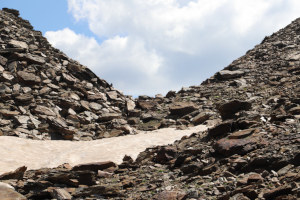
(251, 152)
(46, 95)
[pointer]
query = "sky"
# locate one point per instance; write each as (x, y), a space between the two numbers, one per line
(147, 47)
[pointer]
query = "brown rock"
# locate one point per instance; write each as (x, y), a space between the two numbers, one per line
(182, 108)
(98, 96)
(171, 195)
(295, 110)
(29, 78)
(227, 110)
(226, 74)
(146, 105)
(282, 190)
(200, 118)
(74, 67)
(165, 154)
(60, 194)
(254, 178)
(9, 113)
(109, 116)
(3, 60)
(18, 44)
(12, 11)
(30, 58)
(242, 134)
(95, 166)
(44, 111)
(10, 194)
(69, 78)
(113, 95)
(220, 130)
(235, 146)
(17, 174)
(8, 76)
(130, 105)
(24, 98)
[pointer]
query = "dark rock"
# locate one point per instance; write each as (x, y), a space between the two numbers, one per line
(200, 118)
(16, 13)
(242, 134)
(95, 166)
(229, 147)
(165, 154)
(171, 195)
(182, 108)
(282, 190)
(226, 74)
(220, 130)
(60, 194)
(227, 110)
(17, 174)
(10, 194)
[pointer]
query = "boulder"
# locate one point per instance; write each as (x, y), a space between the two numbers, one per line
(226, 74)
(17, 174)
(95, 166)
(227, 110)
(182, 108)
(29, 78)
(229, 147)
(10, 194)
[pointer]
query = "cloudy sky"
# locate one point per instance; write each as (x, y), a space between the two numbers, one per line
(153, 46)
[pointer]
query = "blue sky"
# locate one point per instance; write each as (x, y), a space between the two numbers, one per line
(150, 47)
(47, 15)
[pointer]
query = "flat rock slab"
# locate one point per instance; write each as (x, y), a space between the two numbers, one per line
(36, 154)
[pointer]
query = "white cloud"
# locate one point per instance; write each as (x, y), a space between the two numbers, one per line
(157, 45)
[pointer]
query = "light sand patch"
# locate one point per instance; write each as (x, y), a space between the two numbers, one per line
(35, 154)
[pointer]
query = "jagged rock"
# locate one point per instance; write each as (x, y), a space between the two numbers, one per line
(12, 11)
(227, 110)
(220, 130)
(60, 194)
(171, 195)
(182, 108)
(235, 146)
(17, 174)
(10, 194)
(146, 105)
(95, 166)
(200, 118)
(272, 194)
(44, 111)
(242, 134)
(29, 78)
(226, 74)
(109, 116)
(165, 154)
(295, 110)
(45, 82)
(18, 44)
(9, 113)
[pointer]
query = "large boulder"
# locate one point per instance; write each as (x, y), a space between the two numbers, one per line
(182, 108)
(228, 110)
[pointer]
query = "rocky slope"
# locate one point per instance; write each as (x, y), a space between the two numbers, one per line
(251, 152)
(46, 95)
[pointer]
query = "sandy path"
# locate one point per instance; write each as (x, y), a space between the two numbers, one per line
(35, 154)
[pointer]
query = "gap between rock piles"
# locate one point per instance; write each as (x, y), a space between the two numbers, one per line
(36, 154)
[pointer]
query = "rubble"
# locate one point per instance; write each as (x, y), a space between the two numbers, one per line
(252, 152)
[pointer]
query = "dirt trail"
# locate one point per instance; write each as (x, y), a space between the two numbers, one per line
(35, 154)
